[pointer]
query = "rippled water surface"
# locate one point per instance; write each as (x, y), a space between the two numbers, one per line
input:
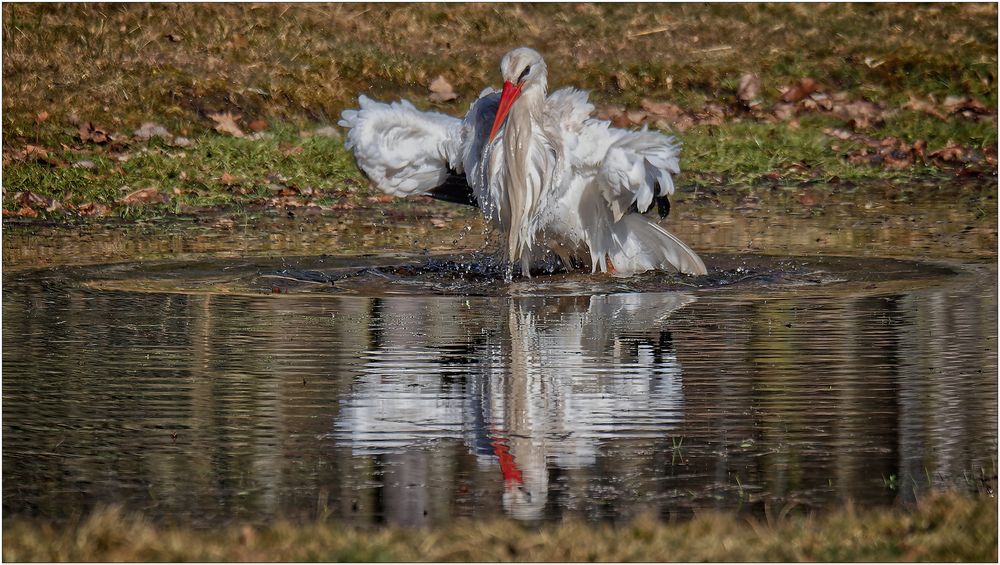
(399, 388)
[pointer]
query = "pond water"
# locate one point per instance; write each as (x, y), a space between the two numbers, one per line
(374, 385)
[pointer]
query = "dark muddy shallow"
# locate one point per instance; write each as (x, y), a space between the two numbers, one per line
(319, 371)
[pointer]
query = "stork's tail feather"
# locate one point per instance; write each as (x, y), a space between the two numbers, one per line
(644, 245)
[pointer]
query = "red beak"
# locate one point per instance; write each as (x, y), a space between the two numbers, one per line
(507, 98)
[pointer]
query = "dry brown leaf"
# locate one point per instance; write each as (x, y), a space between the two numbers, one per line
(860, 114)
(899, 158)
(438, 223)
(664, 110)
(748, 90)
(93, 209)
(957, 104)
(32, 153)
(635, 117)
(145, 196)
(842, 134)
(441, 90)
(257, 125)
(609, 112)
(804, 87)
(228, 179)
(950, 154)
(149, 130)
(623, 81)
(783, 111)
(919, 105)
(41, 117)
(26, 212)
(711, 114)
(95, 134)
(33, 199)
(326, 131)
(226, 123)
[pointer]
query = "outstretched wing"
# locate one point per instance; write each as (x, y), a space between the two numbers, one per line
(637, 169)
(402, 150)
(406, 152)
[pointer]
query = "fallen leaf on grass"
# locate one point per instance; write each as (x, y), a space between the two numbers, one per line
(860, 114)
(838, 133)
(804, 87)
(93, 209)
(965, 107)
(145, 196)
(383, 199)
(41, 117)
(899, 158)
(149, 130)
(665, 110)
(748, 90)
(609, 112)
(438, 223)
(711, 114)
(228, 179)
(29, 198)
(26, 212)
(919, 105)
(226, 123)
(783, 111)
(327, 131)
(441, 90)
(31, 153)
(257, 125)
(949, 154)
(635, 117)
(90, 133)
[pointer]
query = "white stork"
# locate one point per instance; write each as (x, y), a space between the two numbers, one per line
(540, 167)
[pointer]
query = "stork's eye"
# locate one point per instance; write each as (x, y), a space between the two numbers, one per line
(524, 73)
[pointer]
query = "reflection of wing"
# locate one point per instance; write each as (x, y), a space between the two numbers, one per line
(387, 412)
(556, 377)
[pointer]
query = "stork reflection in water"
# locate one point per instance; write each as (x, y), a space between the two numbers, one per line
(544, 383)
(553, 178)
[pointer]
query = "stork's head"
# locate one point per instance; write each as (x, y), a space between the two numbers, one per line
(521, 68)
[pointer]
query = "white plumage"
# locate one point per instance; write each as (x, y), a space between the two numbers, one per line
(541, 168)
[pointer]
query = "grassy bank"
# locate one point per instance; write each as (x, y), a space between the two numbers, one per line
(238, 100)
(941, 528)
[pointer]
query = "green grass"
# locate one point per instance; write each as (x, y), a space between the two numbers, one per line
(944, 527)
(194, 177)
(299, 66)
